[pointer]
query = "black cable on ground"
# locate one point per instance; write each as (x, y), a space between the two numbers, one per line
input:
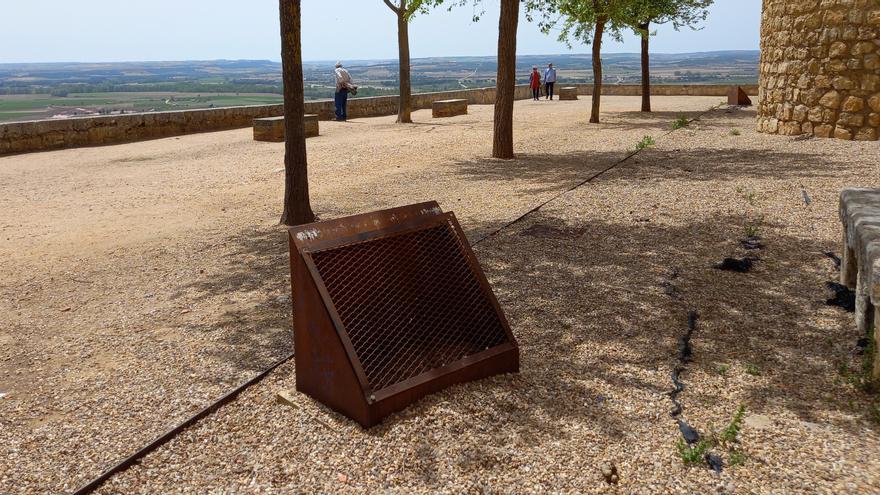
(583, 182)
(155, 444)
(134, 458)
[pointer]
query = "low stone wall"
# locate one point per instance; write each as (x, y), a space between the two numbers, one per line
(41, 135)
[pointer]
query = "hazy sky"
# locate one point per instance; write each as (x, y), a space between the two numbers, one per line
(126, 30)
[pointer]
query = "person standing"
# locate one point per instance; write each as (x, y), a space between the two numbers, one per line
(535, 83)
(343, 85)
(549, 80)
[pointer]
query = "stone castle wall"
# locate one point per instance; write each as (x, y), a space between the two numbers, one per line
(41, 135)
(820, 68)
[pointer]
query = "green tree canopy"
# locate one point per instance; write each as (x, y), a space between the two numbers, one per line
(681, 13)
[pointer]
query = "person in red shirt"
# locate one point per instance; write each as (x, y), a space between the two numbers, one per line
(535, 83)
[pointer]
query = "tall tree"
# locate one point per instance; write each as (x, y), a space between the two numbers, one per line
(505, 82)
(405, 10)
(297, 209)
(643, 13)
(587, 21)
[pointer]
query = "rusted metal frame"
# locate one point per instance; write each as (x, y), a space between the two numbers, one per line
(362, 223)
(435, 373)
(416, 224)
(477, 270)
(337, 323)
(412, 225)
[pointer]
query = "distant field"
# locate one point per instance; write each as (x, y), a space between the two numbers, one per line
(31, 107)
(40, 91)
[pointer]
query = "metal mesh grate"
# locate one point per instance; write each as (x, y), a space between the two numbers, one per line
(409, 303)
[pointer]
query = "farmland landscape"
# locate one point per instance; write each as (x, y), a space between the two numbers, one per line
(62, 90)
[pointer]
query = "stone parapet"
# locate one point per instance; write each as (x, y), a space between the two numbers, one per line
(820, 68)
(42, 135)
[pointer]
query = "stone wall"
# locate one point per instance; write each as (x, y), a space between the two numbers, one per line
(41, 135)
(820, 68)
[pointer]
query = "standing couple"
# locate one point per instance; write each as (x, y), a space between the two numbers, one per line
(549, 82)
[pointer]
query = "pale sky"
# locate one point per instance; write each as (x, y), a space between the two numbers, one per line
(126, 30)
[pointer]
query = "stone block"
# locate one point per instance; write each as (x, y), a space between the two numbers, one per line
(853, 104)
(831, 99)
(874, 102)
(310, 121)
(864, 48)
(843, 82)
(271, 129)
(791, 128)
(866, 134)
(449, 108)
(568, 93)
(823, 131)
(851, 119)
(842, 133)
(839, 49)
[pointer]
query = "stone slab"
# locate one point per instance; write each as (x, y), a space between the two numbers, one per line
(449, 108)
(568, 93)
(271, 129)
(860, 267)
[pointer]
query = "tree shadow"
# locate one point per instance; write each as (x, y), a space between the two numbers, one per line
(256, 333)
(657, 121)
(547, 172)
(589, 290)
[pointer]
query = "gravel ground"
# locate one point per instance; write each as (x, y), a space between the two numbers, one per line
(147, 279)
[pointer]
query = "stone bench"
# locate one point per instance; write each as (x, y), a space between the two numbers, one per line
(272, 128)
(449, 108)
(568, 93)
(860, 263)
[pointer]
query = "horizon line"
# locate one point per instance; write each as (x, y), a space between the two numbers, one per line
(316, 61)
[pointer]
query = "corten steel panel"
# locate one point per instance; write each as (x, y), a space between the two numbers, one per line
(390, 306)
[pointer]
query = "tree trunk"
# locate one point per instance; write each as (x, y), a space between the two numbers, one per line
(502, 143)
(646, 67)
(597, 68)
(297, 209)
(405, 108)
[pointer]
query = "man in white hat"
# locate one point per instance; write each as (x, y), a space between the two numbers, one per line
(343, 86)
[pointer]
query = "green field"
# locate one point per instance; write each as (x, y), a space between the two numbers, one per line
(31, 107)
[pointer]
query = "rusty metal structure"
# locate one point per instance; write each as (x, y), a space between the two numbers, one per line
(391, 306)
(737, 96)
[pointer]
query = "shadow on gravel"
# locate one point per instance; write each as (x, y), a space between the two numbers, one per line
(656, 122)
(255, 332)
(604, 291)
(589, 304)
(549, 172)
